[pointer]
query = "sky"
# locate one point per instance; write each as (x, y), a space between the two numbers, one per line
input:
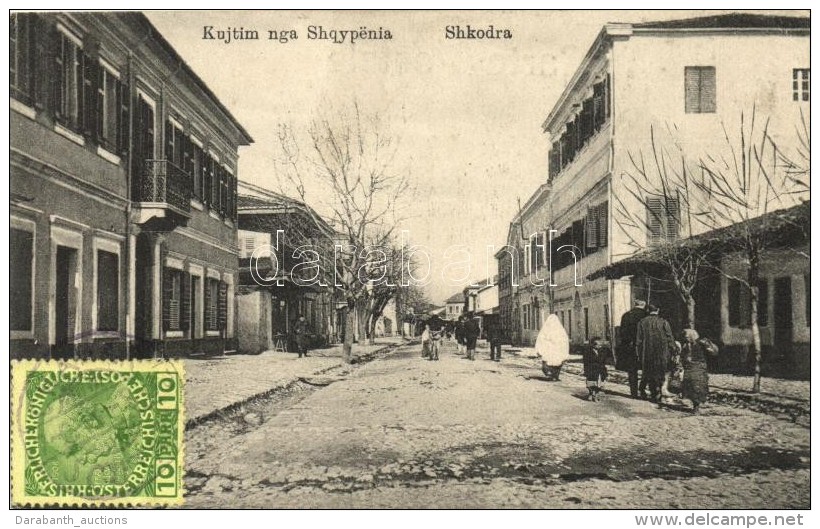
(467, 114)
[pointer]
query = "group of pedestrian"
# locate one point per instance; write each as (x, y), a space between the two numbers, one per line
(648, 347)
(466, 334)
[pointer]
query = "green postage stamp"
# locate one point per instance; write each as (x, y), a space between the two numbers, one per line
(97, 433)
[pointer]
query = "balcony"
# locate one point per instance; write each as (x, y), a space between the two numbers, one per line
(162, 196)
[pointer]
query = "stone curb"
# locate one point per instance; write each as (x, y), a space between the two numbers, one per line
(359, 360)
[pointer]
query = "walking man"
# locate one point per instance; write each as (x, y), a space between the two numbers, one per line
(471, 332)
(299, 330)
(655, 344)
(627, 359)
(459, 332)
(495, 335)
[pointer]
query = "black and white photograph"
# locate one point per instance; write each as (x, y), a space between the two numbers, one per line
(411, 259)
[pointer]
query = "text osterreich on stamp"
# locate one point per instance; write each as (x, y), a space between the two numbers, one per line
(97, 433)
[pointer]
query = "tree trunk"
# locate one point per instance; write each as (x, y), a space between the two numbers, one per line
(690, 312)
(372, 337)
(754, 275)
(350, 322)
(361, 313)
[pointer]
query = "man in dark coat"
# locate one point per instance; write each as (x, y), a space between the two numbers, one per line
(299, 331)
(471, 332)
(627, 357)
(495, 335)
(655, 345)
(460, 333)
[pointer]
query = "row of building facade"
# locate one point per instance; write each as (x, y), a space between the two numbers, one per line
(130, 231)
(693, 80)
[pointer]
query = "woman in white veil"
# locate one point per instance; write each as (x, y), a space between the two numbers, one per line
(552, 345)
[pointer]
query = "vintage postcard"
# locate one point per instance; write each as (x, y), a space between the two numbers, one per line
(411, 259)
(104, 433)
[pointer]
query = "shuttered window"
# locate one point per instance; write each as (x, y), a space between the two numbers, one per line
(21, 57)
(145, 132)
(211, 304)
(172, 287)
(111, 129)
(69, 62)
(108, 291)
(662, 219)
(700, 89)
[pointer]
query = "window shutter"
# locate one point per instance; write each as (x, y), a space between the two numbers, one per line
(145, 131)
(588, 116)
(90, 95)
(578, 141)
(591, 228)
(578, 234)
(608, 97)
(570, 142)
(654, 214)
(603, 225)
(555, 159)
(188, 157)
(672, 219)
(223, 306)
(534, 254)
(207, 304)
(43, 47)
(205, 193)
(58, 75)
(167, 288)
(222, 175)
(124, 104)
(598, 105)
(691, 86)
(185, 315)
(99, 103)
(708, 89)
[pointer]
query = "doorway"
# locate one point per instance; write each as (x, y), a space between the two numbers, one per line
(65, 302)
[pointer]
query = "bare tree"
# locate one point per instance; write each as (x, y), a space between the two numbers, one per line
(350, 163)
(754, 178)
(662, 187)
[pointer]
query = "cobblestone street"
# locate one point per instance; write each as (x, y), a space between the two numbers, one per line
(403, 432)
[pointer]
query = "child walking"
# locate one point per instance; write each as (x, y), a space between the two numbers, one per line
(595, 359)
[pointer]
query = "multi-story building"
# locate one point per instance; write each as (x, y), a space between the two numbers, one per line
(454, 306)
(123, 193)
(682, 84)
(523, 282)
(296, 281)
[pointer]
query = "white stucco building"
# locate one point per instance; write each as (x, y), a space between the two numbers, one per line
(686, 82)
